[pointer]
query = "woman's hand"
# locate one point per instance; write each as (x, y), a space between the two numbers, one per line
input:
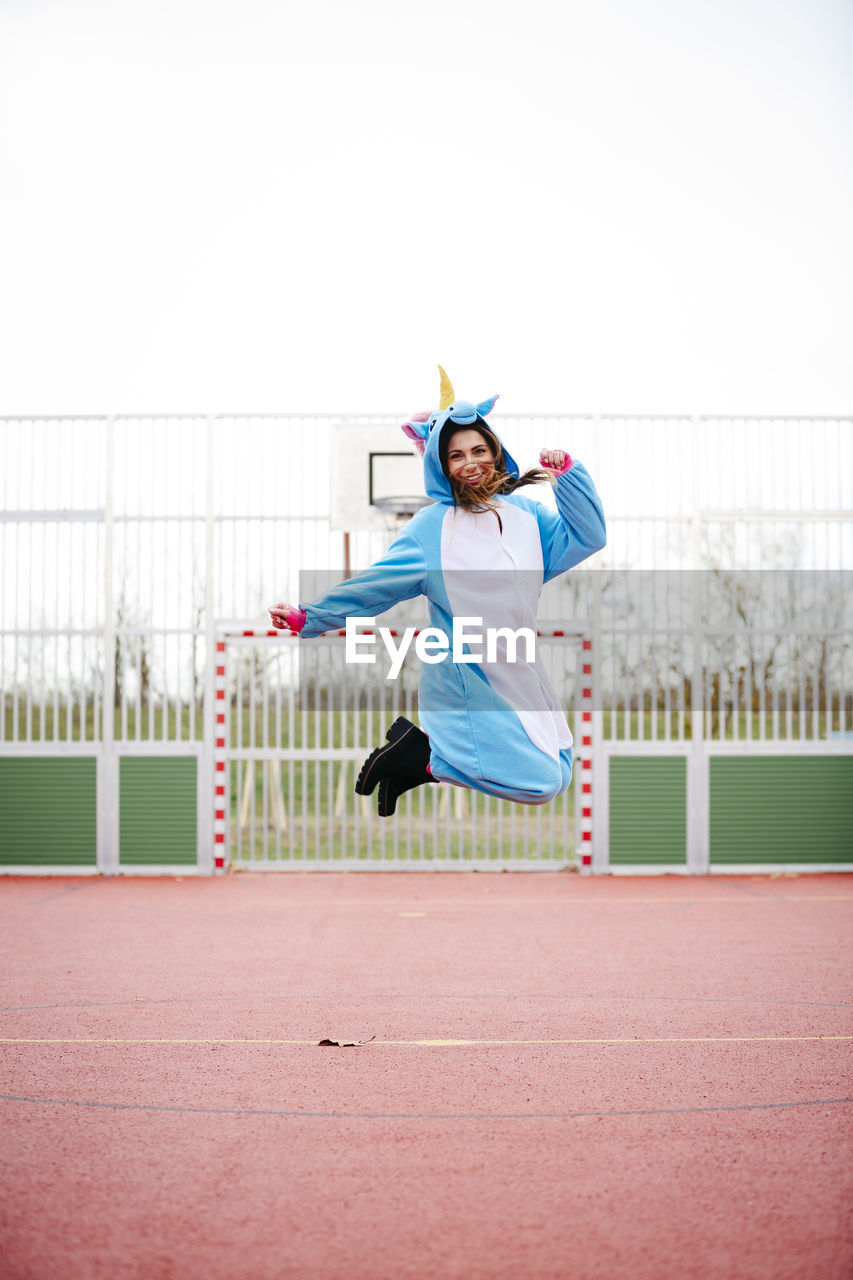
(287, 617)
(556, 460)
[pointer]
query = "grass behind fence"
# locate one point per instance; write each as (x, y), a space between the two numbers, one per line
(309, 810)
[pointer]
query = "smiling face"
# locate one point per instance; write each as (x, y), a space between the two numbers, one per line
(469, 457)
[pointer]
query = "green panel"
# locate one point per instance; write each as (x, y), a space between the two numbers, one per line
(48, 811)
(648, 810)
(157, 810)
(781, 809)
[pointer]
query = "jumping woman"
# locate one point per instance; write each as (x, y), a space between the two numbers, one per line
(482, 550)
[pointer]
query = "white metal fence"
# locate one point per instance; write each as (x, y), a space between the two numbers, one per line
(128, 544)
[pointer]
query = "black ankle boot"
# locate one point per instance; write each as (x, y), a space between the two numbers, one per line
(397, 767)
(390, 790)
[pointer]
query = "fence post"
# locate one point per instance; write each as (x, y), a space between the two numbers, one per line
(107, 766)
(591, 804)
(697, 760)
(208, 785)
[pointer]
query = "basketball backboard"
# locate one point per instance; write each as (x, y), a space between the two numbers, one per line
(376, 475)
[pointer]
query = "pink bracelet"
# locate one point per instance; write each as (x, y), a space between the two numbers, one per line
(295, 619)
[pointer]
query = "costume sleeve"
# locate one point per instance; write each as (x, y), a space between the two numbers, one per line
(577, 529)
(399, 575)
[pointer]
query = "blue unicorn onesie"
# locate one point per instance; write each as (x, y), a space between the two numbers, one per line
(492, 720)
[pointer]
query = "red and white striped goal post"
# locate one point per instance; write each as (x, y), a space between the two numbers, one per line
(582, 753)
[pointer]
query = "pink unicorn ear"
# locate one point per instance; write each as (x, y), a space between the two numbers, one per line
(416, 430)
(419, 442)
(486, 406)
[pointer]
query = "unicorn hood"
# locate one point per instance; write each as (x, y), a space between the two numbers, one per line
(426, 430)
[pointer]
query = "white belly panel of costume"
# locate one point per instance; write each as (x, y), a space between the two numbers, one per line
(495, 572)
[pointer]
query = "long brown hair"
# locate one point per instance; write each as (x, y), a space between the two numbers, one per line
(481, 497)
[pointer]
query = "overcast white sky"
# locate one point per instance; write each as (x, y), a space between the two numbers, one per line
(610, 205)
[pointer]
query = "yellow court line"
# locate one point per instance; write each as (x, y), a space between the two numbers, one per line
(424, 1043)
(776, 899)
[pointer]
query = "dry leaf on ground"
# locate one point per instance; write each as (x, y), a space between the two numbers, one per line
(345, 1044)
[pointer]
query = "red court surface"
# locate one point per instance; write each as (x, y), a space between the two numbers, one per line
(566, 1077)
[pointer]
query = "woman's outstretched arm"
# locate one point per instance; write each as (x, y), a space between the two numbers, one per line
(399, 575)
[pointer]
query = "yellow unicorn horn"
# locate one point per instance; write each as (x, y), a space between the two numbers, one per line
(448, 395)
